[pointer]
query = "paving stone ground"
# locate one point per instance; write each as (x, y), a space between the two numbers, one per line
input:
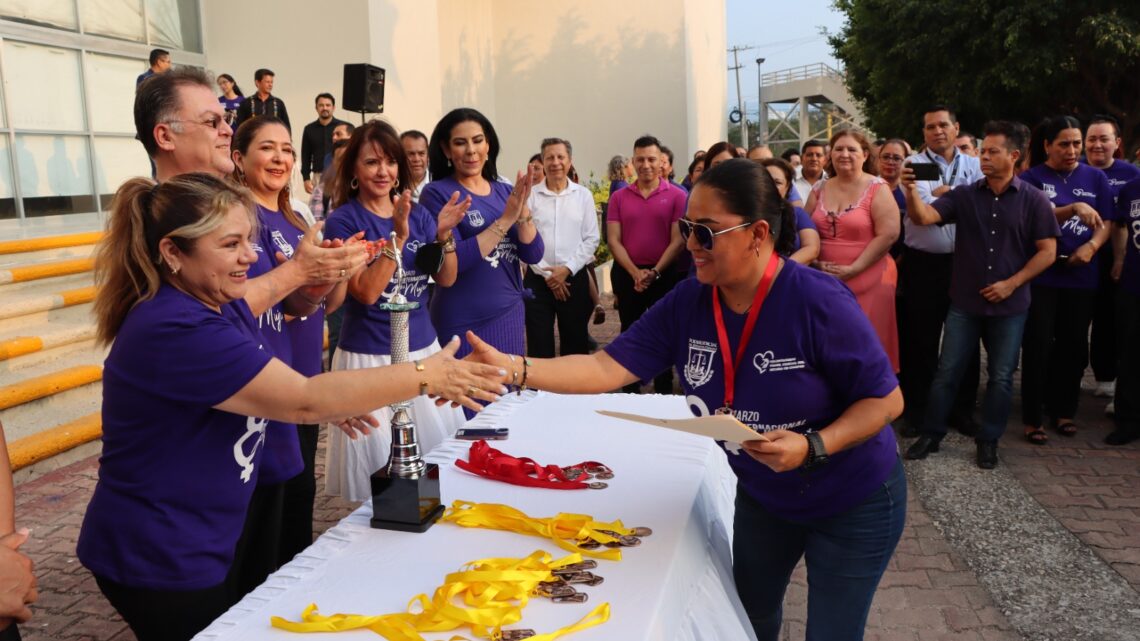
(940, 585)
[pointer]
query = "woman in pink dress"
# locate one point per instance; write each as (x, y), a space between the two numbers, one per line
(858, 220)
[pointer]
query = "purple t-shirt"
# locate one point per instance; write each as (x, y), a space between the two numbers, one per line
(803, 221)
(646, 223)
(996, 237)
(367, 329)
(282, 459)
(1128, 215)
(1085, 184)
(307, 333)
(1119, 173)
(176, 475)
(812, 355)
(488, 286)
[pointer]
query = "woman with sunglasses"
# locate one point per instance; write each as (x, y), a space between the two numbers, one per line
(826, 484)
(858, 221)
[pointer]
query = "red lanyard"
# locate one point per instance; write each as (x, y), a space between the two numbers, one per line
(730, 364)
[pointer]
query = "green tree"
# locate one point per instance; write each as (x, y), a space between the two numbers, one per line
(1010, 59)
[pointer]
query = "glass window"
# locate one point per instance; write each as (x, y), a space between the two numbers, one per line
(174, 23)
(7, 193)
(44, 85)
(116, 160)
(110, 82)
(47, 13)
(115, 18)
(55, 174)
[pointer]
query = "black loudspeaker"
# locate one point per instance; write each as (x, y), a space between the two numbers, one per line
(363, 89)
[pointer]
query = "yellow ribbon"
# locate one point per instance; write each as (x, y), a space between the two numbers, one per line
(496, 590)
(560, 528)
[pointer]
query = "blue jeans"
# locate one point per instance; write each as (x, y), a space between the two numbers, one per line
(846, 555)
(1001, 336)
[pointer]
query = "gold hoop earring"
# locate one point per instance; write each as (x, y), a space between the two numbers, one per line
(240, 175)
(354, 184)
(397, 184)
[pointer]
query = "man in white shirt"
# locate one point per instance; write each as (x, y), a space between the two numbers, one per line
(415, 145)
(810, 170)
(567, 220)
(924, 273)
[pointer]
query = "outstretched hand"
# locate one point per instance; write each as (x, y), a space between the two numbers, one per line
(462, 382)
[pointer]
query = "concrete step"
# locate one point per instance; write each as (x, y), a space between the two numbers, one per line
(8, 261)
(47, 285)
(32, 315)
(47, 269)
(51, 393)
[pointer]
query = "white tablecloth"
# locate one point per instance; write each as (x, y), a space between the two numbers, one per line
(676, 586)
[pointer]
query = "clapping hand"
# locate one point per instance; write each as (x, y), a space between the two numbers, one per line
(327, 262)
(516, 202)
(403, 210)
(451, 215)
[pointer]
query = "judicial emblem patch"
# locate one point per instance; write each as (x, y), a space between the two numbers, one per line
(698, 369)
(475, 218)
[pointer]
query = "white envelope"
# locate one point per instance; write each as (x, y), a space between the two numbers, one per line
(722, 427)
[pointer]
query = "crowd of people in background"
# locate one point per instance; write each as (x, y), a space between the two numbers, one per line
(883, 267)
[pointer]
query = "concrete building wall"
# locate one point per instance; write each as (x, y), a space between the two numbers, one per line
(305, 44)
(595, 72)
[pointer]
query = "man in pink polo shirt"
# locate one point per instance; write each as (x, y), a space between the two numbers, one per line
(641, 225)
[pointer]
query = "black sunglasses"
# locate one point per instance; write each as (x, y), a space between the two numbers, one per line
(705, 234)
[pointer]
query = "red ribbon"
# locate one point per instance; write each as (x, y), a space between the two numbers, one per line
(731, 365)
(491, 463)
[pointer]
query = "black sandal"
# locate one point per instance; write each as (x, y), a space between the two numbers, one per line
(1036, 435)
(1067, 429)
(599, 314)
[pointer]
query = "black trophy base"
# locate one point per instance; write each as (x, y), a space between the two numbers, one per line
(406, 505)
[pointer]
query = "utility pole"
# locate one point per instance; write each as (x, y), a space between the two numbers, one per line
(763, 110)
(740, 100)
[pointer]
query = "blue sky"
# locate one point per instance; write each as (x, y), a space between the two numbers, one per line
(784, 32)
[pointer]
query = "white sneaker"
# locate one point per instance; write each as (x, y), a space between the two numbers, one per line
(1110, 409)
(1105, 390)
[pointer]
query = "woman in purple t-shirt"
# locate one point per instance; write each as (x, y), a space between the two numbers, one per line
(492, 241)
(188, 389)
(280, 520)
(825, 483)
(368, 200)
(231, 97)
(1055, 347)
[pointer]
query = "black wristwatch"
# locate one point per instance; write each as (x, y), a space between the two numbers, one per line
(817, 453)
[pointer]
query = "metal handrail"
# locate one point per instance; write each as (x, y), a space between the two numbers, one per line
(805, 72)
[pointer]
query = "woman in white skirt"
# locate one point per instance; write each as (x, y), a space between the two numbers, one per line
(366, 200)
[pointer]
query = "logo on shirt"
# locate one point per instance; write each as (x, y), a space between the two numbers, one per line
(1116, 182)
(413, 245)
(1050, 191)
(698, 369)
(1081, 193)
(475, 218)
(283, 245)
(1134, 209)
(253, 427)
(767, 362)
(1075, 226)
